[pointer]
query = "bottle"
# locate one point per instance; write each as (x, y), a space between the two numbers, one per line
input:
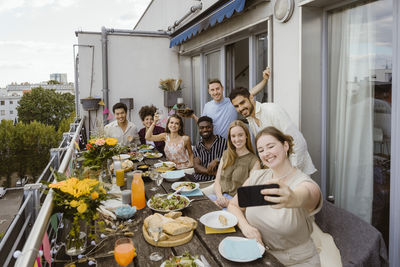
(137, 189)
(120, 177)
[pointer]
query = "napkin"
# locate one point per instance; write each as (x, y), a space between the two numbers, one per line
(194, 193)
(243, 249)
(210, 230)
(174, 174)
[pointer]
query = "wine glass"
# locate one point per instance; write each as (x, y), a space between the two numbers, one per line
(155, 230)
(159, 180)
(154, 175)
(124, 251)
(160, 113)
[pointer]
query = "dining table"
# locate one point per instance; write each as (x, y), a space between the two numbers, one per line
(203, 245)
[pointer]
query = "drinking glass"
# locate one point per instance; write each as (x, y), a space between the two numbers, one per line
(124, 251)
(160, 113)
(154, 175)
(155, 230)
(159, 180)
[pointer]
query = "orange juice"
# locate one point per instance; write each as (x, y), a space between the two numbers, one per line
(137, 188)
(124, 253)
(120, 177)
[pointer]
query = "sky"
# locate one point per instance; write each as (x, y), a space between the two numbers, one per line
(37, 36)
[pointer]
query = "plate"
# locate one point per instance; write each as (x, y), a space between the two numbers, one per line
(121, 157)
(198, 263)
(211, 219)
(165, 166)
(146, 147)
(177, 185)
(168, 210)
(237, 238)
(173, 176)
(151, 155)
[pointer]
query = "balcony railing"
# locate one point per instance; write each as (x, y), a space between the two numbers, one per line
(27, 229)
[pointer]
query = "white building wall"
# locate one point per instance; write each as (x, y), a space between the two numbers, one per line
(135, 66)
(167, 12)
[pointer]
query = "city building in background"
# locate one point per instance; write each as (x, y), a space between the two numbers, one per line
(59, 77)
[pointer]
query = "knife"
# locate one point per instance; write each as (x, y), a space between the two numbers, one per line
(204, 260)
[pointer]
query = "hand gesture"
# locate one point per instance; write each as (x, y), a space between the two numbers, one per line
(266, 73)
(285, 198)
(252, 233)
(222, 201)
(156, 117)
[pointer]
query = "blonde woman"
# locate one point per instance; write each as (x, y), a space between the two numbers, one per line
(236, 163)
(178, 147)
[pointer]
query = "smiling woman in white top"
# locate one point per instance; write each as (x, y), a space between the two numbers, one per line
(285, 227)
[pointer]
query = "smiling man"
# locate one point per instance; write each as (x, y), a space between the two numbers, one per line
(122, 129)
(261, 115)
(208, 151)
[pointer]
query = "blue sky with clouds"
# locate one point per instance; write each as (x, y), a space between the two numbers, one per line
(36, 36)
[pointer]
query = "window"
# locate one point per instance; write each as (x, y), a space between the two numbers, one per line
(11, 102)
(11, 112)
(261, 63)
(3, 112)
(359, 97)
(213, 69)
(2, 102)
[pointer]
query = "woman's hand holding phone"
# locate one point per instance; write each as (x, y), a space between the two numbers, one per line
(284, 196)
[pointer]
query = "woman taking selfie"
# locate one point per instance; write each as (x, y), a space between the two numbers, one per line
(178, 148)
(285, 226)
(236, 163)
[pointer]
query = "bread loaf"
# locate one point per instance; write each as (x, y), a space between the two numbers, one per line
(176, 228)
(187, 221)
(173, 214)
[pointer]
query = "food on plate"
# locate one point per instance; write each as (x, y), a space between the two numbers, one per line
(125, 165)
(136, 156)
(143, 167)
(144, 146)
(188, 186)
(152, 155)
(164, 167)
(223, 220)
(172, 228)
(146, 174)
(186, 260)
(161, 202)
(173, 214)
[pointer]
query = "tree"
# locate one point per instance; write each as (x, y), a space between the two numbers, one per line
(45, 106)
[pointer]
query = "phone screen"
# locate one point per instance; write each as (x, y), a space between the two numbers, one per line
(249, 196)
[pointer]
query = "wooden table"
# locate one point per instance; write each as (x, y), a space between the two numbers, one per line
(201, 244)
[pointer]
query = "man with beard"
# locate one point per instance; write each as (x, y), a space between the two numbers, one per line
(220, 109)
(208, 151)
(122, 129)
(261, 115)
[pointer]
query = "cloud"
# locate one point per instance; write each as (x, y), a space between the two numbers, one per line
(6, 5)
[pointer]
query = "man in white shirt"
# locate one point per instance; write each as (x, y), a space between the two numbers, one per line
(261, 115)
(122, 129)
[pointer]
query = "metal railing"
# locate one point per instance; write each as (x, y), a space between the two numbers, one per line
(27, 229)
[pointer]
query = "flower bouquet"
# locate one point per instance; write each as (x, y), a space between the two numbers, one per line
(99, 150)
(78, 200)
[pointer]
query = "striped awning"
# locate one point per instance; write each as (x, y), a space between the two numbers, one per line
(226, 11)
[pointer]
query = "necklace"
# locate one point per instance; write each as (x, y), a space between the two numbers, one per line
(287, 174)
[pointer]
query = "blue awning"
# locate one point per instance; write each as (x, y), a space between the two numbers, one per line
(226, 11)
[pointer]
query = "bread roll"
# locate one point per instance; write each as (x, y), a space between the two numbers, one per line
(176, 228)
(187, 221)
(173, 214)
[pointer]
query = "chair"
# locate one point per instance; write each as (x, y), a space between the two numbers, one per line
(359, 243)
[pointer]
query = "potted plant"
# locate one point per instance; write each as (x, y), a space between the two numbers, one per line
(172, 90)
(90, 103)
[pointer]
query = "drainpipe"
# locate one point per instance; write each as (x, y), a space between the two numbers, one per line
(191, 11)
(104, 57)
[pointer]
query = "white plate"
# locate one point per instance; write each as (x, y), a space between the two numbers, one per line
(151, 155)
(188, 203)
(168, 163)
(176, 185)
(198, 262)
(173, 176)
(211, 219)
(146, 147)
(121, 157)
(237, 238)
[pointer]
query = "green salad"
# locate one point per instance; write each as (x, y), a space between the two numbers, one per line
(161, 202)
(186, 260)
(145, 147)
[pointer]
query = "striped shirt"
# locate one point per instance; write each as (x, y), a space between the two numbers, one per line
(207, 155)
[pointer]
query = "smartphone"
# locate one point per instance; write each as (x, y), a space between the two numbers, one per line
(249, 196)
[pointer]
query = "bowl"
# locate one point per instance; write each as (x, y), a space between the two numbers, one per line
(121, 157)
(143, 168)
(125, 212)
(173, 176)
(163, 197)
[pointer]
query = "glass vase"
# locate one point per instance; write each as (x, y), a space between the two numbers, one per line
(75, 236)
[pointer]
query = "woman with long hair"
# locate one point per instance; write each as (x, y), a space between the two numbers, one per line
(286, 226)
(178, 147)
(236, 163)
